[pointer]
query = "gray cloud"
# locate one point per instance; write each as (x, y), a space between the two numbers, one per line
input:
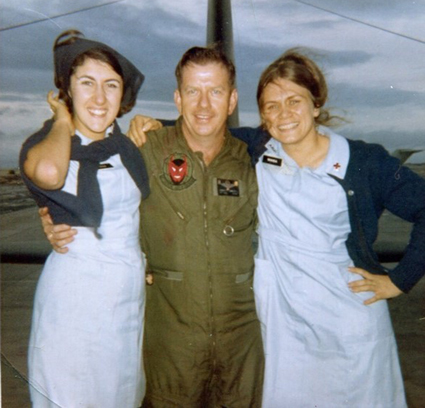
(405, 139)
(154, 34)
(27, 57)
(346, 95)
(387, 8)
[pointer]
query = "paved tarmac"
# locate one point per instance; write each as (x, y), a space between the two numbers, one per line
(23, 249)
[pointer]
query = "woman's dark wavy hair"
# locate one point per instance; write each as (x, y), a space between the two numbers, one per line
(63, 82)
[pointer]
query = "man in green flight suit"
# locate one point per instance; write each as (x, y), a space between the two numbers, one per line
(202, 338)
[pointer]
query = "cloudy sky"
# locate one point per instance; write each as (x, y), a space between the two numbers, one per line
(372, 51)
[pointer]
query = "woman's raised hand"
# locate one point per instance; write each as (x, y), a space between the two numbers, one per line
(60, 111)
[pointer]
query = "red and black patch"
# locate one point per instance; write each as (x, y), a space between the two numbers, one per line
(177, 171)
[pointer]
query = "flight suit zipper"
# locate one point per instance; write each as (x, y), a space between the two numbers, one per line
(206, 182)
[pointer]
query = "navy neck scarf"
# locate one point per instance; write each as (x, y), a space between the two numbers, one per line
(86, 208)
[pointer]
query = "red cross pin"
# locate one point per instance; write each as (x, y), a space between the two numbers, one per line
(337, 166)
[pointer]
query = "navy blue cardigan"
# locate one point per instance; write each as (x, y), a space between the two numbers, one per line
(374, 181)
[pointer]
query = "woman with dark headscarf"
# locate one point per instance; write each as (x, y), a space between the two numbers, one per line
(87, 329)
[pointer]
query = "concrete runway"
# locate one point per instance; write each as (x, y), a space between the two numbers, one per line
(23, 248)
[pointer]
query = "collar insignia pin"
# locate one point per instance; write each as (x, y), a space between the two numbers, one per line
(337, 166)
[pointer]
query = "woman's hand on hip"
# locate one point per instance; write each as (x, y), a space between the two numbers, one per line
(381, 285)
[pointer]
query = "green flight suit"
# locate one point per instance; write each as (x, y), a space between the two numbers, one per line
(203, 343)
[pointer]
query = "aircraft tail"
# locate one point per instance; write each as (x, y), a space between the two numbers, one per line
(404, 154)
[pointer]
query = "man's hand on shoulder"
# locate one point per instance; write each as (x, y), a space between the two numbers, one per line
(139, 126)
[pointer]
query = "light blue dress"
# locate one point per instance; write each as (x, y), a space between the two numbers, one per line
(323, 347)
(86, 338)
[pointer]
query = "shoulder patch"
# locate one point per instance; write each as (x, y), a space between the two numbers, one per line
(177, 171)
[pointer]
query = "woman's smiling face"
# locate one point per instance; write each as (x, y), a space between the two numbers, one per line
(288, 112)
(96, 91)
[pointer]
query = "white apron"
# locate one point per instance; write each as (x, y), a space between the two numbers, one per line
(87, 329)
(323, 347)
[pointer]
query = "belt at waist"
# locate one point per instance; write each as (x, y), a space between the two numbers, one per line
(87, 238)
(311, 249)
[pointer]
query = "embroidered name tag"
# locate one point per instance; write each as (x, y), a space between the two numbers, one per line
(228, 187)
(274, 161)
(105, 166)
